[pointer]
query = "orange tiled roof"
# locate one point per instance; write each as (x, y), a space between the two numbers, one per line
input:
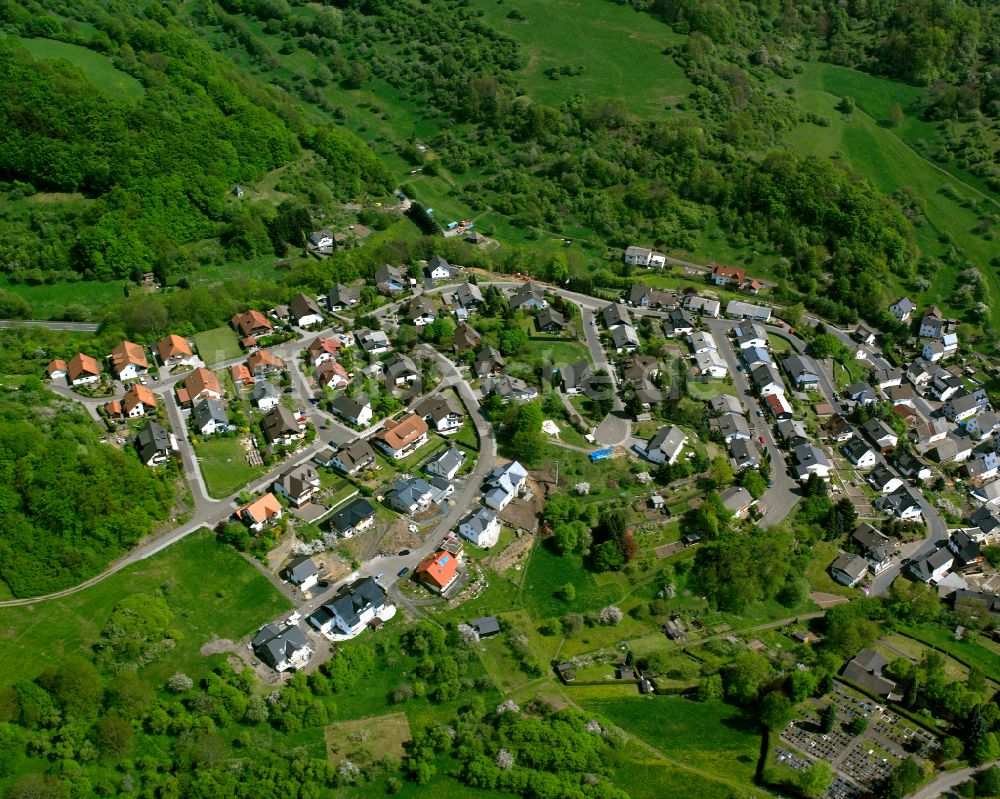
(729, 272)
(321, 345)
(138, 394)
(260, 510)
(81, 364)
(128, 352)
(397, 435)
(259, 358)
(439, 569)
(252, 320)
(56, 365)
(172, 346)
(240, 373)
(202, 379)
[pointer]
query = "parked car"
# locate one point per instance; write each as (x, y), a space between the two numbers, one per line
(402, 572)
(760, 439)
(404, 552)
(413, 528)
(379, 576)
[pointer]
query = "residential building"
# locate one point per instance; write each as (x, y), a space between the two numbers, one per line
(903, 503)
(625, 338)
(503, 484)
(929, 432)
(509, 389)
(882, 479)
(174, 351)
(391, 279)
(860, 453)
(265, 395)
(777, 406)
(302, 572)
(138, 401)
(322, 349)
(199, 384)
(933, 566)
(861, 393)
(756, 356)
(737, 500)
(128, 361)
(730, 426)
(838, 429)
(154, 444)
(400, 370)
(643, 256)
(725, 403)
(410, 496)
(982, 467)
(912, 467)
(263, 363)
(209, 417)
(702, 342)
(352, 458)
(766, 380)
(933, 351)
(744, 455)
(305, 311)
(355, 517)
(298, 484)
(321, 240)
(849, 569)
(282, 648)
(57, 369)
(529, 296)
(481, 527)
(745, 310)
(374, 342)
(447, 463)
(647, 297)
(240, 375)
(488, 361)
(550, 320)
(250, 324)
(576, 377)
(966, 404)
(792, 432)
(678, 323)
(728, 276)
(953, 449)
(466, 338)
(616, 314)
(965, 548)
(865, 670)
(885, 379)
(352, 609)
(442, 413)
(811, 460)
(438, 268)
(903, 309)
(983, 425)
(880, 434)
(438, 572)
(875, 546)
(666, 445)
(988, 493)
(401, 438)
(468, 297)
(332, 375)
(262, 511)
(357, 411)
(421, 311)
(801, 371)
(343, 298)
(703, 306)
(750, 334)
(281, 427)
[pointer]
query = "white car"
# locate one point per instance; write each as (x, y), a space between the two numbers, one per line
(413, 528)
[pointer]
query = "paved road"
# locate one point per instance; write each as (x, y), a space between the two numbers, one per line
(947, 781)
(781, 497)
(77, 327)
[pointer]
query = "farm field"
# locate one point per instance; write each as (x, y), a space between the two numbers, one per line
(210, 587)
(224, 465)
(363, 740)
(96, 68)
(216, 345)
(608, 39)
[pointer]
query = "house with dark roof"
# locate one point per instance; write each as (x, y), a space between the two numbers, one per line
(678, 323)
(441, 412)
(882, 479)
(550, 320)
(421, 311)
(400, 370)
(281, 427)
(154, 444)
(530, 296)
(744, 454)
(965, 548)
(666, 445)
(509, 389)
(481, 527)
(354, 457)
(862, 393)
(390, 279)
(875, 546)
(439, 269)
(801, 371)
(467, 296)
(932, 566)
(282, 648)
(880, 434)
(616, 314)
(466, 338)
(357, 411)
(343, 297)
(447, 463)
(730, 426)
(865, 671)
(302, 572)
(486, 626)
(298, 484)
(209, 417)
(410, 496)
(305, 311)
(351, 610)
(860, 453)
(265, 395)
(903, 503)
(488, 361)
(355, 517)
(575, 377)
(849, 569)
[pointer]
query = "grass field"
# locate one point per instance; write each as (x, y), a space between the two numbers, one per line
(621, 52)
(210, 587)
(973, 653)
(713, 738)
(891, 164)
(51, 300)
(548, 572)
(224, 465)
(96, 68)
(365, 740)
(218, 344)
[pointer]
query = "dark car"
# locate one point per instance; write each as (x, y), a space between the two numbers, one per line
(323, 583)
(403, 572)
(404, 552)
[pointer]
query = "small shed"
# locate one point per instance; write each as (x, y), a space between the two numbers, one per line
(657, 502)
(566, 671)
(486, 626)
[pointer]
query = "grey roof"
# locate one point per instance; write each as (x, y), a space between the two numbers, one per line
(437, 262)
(466, 336)
(624, 336)
(386, 274)
(487, 359)
(278, 422)
(352, 514)
(857, 448)
(745, 453)
(616, 314)
(301, 569)
(736, 498)
(400, 366)
(506, 387)
(851, 565)
(153, 438)
(731, 424)
(208, 410)
(298, 480)
(905, 304)
(549, 316)
(807, 455)
(275, 645)
(264, 389)
(725, 403)
(488, 625)
(861, 392)
(924, 567)
(529, 292)
(799, 368)
(479, 520)
(349, 605)
(986, 519)
(881, 476)
(667, 439)
(304, 305)
(437, 408)
(344, 295)
(407, 493)
(349, 406)
(467, 294)
(874, 543)
(452, 458)
(574, 375)
(356, 453)
(875, 429)
(677, 319)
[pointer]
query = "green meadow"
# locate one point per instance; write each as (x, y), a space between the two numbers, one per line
(96, 68)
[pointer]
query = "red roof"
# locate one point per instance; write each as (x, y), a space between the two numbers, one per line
(240, 374)
(730, 273)
(136, 395)
(397, 435)
(172, 346)
(200, 381)
(250, 321)
(260, 510)
(57, 365)
(81, 365)
(438, 570)
(128, 353)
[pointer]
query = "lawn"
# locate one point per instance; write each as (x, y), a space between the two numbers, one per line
(51, 300)
(554, 353)
(547, 572)
(224, 465)
(218, 344)
(210, 587)
(96, 68)
(621, 53)
(365, 740)
(970, 652)
(712, 738)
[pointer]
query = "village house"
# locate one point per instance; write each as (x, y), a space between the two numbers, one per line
(441, 413)
(251, 324)
(952, 449)
(750, 334)
(861, 393)
(860, 453)
(880, 434)
(912, 467)
(438, 572)
(488, 361)
(737, 500)
(265, 395)
(756, 356)
(710, 364)
(390, 279)
(466, 338)
(933, 566)
(644, 257)
(262, 511)
(883, 480)
(728, 276)
(801, 371)
(875, 546)
(281, 427)
(302, 572)
(332, 375)
(138, 401)
(438, 269)
(400, 370)
(263, 363)
(849, 569)
(625, 338)
(982, 467)
(777, 406)
(357, 411)
(298, 484)
(730, 426)
(481, 527)
(128, 361)
(966, 404)
(792, 432)
(374, 342)
(322, 349)
(666, 445)
(56, 370)
(401, 438)
(282, 648)
(616, 314)
(240, 375)
(209, 417)
(503, 484)
(550, 320)
(410, 496)
(353, 458)
(466, 297)
(725, 403)
(766, 380)
(351, 611)
(902, 503)
(154, 444)
(530, 296)
(199, 384)
(703, 306)
(678, 323)
(810, 460)
(421, 311)
(983, 425)
(343, 298)
(509, 389)
(745, 310)
(321, 240)
(305, 311)
(447, 463)
(355, 517)
(903, 309)
(838, 429)
(174, 351)
(884, 379)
